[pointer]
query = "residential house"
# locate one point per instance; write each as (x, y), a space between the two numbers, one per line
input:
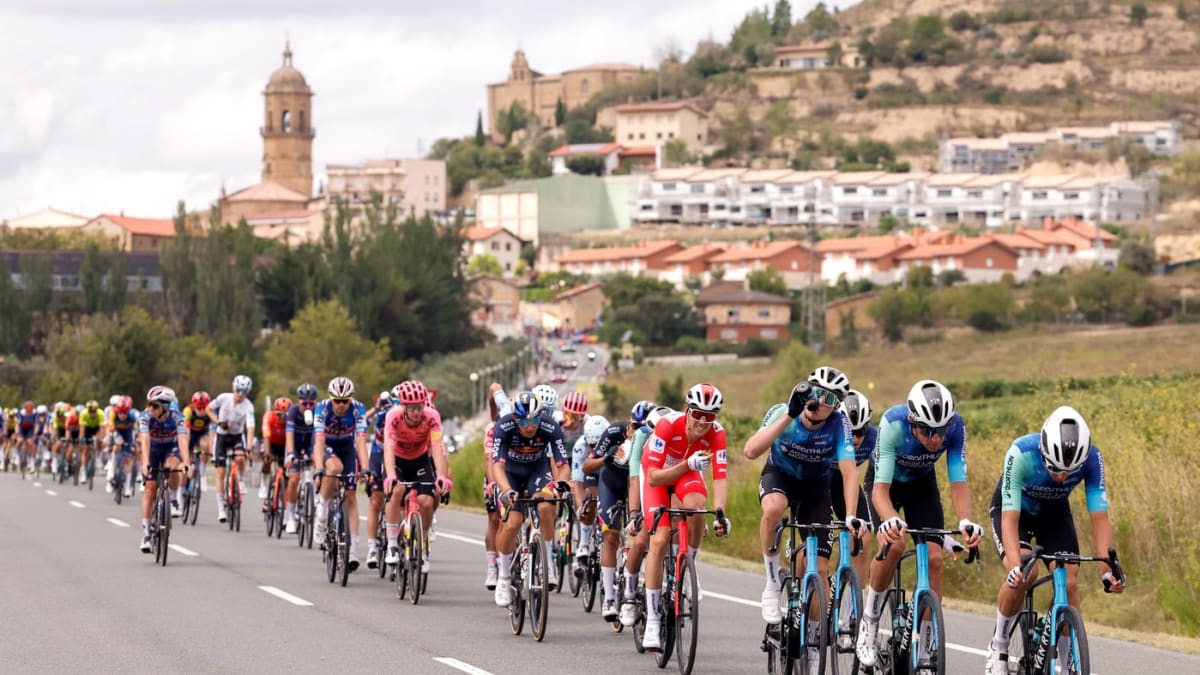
(497, 242)
(733, 313)
(980, 259)
(412, 186)
(755, 191)
(976, 155)
(792, 259)
(662, 121)
(1032, 258)
(857, 258)
(132, 234)
(710, 194)
(610, 153)
(46, 219)
(690, 263)
(1092, 242)
(854, 310)
(660, 198)
(1160, 137)
(578, 307)
(804, 196)
(142, 271)
(497, 303)
(850, 196)
(639, 158)
(817, 56)
(1059, 253)
(290, 227)
(987, 198)
(645, 258)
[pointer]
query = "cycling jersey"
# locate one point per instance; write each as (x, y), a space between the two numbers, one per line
(72, 420)
(27, 423)
(197, 421)
(163, 432)
(59, 420)
(302, 433)
(511, 445)
(1026, 484)
(569, 435)
(805, 453)
(237, 416)
(275, 427)
(668, 447)
(343, 428)
(377, 439)
(867, 448)
(42, 423)
(412, 441)
(579, 453)
(900, 457)
(91, 419)
(610, 441)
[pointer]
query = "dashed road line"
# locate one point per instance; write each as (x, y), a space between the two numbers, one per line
(78, 505)
(118, 523)
(299, 602)
(460, 665)
(52, 493)
(184, 551)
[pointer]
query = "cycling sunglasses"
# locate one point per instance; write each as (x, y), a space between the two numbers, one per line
(702, 416)
(528, 421)
(340, 400)
(824, 396)
(929, 431)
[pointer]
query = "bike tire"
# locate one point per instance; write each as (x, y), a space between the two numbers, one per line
(789, 626)
(329, 546)
(237, 516)
(307, 516)
(639, 623)
(415, 552)
(381, 545)
(280, 508)
(343, 545)
(666, 614)
(563, 556)
(196, 494)
(165, 528)
(846, 610)
(156, 532)
(119, 487)
(893, 652)
(402, 569)
(814, 604)
(1020, 643)
(539, 587)
(591, 578)
(516, 603)
(687, 623)
(928, 602)
(1071, 623)
(269, 516)
(619, 593)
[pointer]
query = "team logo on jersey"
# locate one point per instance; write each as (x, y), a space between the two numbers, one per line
(720, 456)
(658, 445)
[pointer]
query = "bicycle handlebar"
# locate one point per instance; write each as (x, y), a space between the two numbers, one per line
(1029, 560)
(719, 514)
(532, 500)
(922, 535)
(855, 543)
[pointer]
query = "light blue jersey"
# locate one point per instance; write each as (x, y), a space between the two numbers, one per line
(1026, 483)
(900, 457)
(808, 454)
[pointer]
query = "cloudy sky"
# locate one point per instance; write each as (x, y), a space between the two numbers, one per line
(132, 105)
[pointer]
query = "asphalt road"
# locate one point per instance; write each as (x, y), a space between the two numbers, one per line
(78, 596)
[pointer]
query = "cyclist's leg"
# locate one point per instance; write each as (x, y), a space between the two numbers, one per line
(149, 476)
(540, 482)
(587, 515)
(220, 457)
(774, 487)
(392, 512)
(375, 508)
(292, 493)
(611, 488)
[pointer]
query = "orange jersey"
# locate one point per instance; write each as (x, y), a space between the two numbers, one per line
(274, 428)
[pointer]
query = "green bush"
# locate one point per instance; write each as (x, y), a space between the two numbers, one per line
(1046, 53)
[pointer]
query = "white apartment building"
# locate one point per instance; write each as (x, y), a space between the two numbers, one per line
(412, 185)
(1009, 151)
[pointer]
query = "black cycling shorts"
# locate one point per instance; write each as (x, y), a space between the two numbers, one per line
(808, 500)
(1053, 527)
(919, 501)
(227, 443)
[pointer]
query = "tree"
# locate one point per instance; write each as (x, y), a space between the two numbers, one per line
(676, 152)
(624, 290)
(179, 275)
(767, 280)
(848, 336)
(754, 30)
(1138, 13)
(484, 263)
(670, 393)
(291, 279)
(128, 354)
(780, 125)
(833, 55)
(962, 20)
(480, 139)
(560, 113)
(888, 312)
(927, 34)
(919, 276)
(14, 329)
(587, 165)
(1137, 256)
(986, 307)
(820, 21)
(91, 278)
(888, 222)
(511, 119)
(781, 19)
(1181, 11)
(1049, 300)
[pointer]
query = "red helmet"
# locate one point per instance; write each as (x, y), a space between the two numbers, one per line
(282, 405)
(124, 405)
(413, 392)
(575, 403)
(200, 400)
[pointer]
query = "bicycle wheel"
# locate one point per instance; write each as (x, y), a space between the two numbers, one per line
(639, 623)
(687, 623)
(118, 484)
(1020, 647)
(564, 554)
(381, 545)
(619, 593)
(156, 532)
(929, 659)
(269, 514)
(789, 628)
(306, 515)
(280, 506)
(591, 578)
(329, 546)
(164, 532)
(196, 492)
(1069, 627)
(812, 623)
(893, 651)
(666, 614)
(539, 586)
(516, 602)
(843, 623)
(413, 560)
(343, 545)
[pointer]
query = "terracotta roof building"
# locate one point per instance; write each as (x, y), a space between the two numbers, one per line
(736, 314)
(132, 234)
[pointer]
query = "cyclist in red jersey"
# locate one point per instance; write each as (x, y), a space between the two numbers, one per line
(682, 447)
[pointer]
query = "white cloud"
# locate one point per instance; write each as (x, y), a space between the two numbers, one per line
(134, 104)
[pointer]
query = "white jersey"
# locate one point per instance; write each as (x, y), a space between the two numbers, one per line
(238, 415)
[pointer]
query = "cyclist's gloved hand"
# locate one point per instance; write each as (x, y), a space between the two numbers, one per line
(972, 531)
(562, 488)
(1111, 583)
(722, 526)
(953, 546)
(893, 528)
(635, 523)
(443, 484)
(388, 484)
(508, 497)
(698, 461)
(1015, 577)
(797, 399)
(857, 525)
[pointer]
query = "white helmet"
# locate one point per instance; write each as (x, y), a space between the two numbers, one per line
(705, 397)
(1065, 440)
(547, 396)
(594, 428)
(930, 403)
(114, 399)
(41, 409)
(242, 384)
(830, 379)
(340, 387)
(655, 416)
(857, 409)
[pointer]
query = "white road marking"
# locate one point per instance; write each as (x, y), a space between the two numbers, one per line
(78, 505)
(36, 484)
(118, 523)
(184, 551)
(363, 518)
(460, 665)
(300, 602)
(52, 493)
(730, 598)
(459, 537)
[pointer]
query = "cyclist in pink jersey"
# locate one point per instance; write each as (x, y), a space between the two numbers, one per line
(412, 451)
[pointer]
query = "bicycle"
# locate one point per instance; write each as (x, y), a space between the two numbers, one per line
(335, 549)
(273, 507)
(192, 492)
(233, 494)
(529, 584)
(566, 529)
(619, 516)
(810, 613)
(1036, 651)
(306, 507)
(160, 523)
(679, 606)
(902, 651)
(410, 580)
(119, 476)
(587, 575)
